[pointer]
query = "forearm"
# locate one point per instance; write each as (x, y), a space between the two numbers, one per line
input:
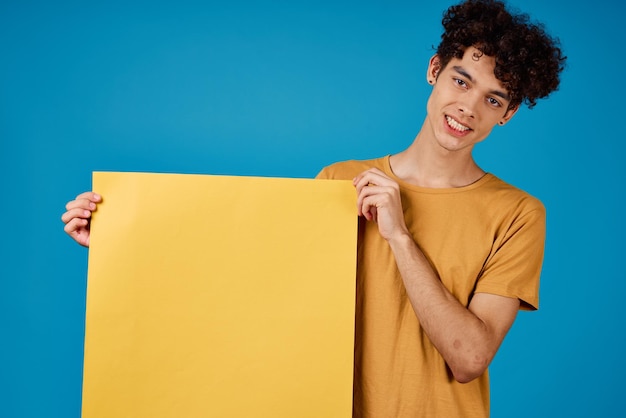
(463, 339)
(467, 337)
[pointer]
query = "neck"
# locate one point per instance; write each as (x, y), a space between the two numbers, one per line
(425, 164)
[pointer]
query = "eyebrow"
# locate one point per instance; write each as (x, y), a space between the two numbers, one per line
(465, 74)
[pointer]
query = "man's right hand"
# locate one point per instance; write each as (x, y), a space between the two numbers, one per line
(77, 218)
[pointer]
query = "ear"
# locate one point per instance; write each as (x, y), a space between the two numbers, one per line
(434, 66)
(508, 115)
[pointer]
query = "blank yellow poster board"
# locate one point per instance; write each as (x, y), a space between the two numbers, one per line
(220, 296)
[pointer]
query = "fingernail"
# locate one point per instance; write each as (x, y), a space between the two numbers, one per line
(96, 196)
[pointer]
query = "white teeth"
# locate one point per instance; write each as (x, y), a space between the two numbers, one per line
(456, 125)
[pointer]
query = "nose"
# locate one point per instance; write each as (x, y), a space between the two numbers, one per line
(468, 104)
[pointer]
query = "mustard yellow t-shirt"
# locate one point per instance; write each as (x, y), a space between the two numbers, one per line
(486, 237)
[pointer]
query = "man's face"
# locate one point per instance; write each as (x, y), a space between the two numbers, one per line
(467, 100)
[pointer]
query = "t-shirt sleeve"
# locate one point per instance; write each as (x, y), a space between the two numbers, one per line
(345, 170)
(514, 267)
(324, 174)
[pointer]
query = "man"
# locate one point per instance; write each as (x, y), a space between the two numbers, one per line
(447, 253)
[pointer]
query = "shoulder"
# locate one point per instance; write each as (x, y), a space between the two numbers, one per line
(502, 190)
(503, 200)
(347, 170)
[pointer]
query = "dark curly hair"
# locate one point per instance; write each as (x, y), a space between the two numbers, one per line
(528, 60)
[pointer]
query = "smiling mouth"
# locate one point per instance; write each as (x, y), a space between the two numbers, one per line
(456, 125)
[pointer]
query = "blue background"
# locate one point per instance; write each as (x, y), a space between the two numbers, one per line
(281, 89)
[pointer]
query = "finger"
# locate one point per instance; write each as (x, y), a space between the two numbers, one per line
(75, 225)
(362, 174)
(87, 200)
(81, 204)
(369, 207)
(75, 213)
(373, 190)
(78, 230)
(371, 177)
(371, 214)
(370, 171)
(379, 196)
(92, 196)
(369, 199)
(367, 180)
(362, 194)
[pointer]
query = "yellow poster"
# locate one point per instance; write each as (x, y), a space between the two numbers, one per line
(220, 296)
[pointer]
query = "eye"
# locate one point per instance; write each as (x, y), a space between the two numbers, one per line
(494, 102)
(460, 82)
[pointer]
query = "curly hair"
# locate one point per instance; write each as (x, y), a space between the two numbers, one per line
(528, 60)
